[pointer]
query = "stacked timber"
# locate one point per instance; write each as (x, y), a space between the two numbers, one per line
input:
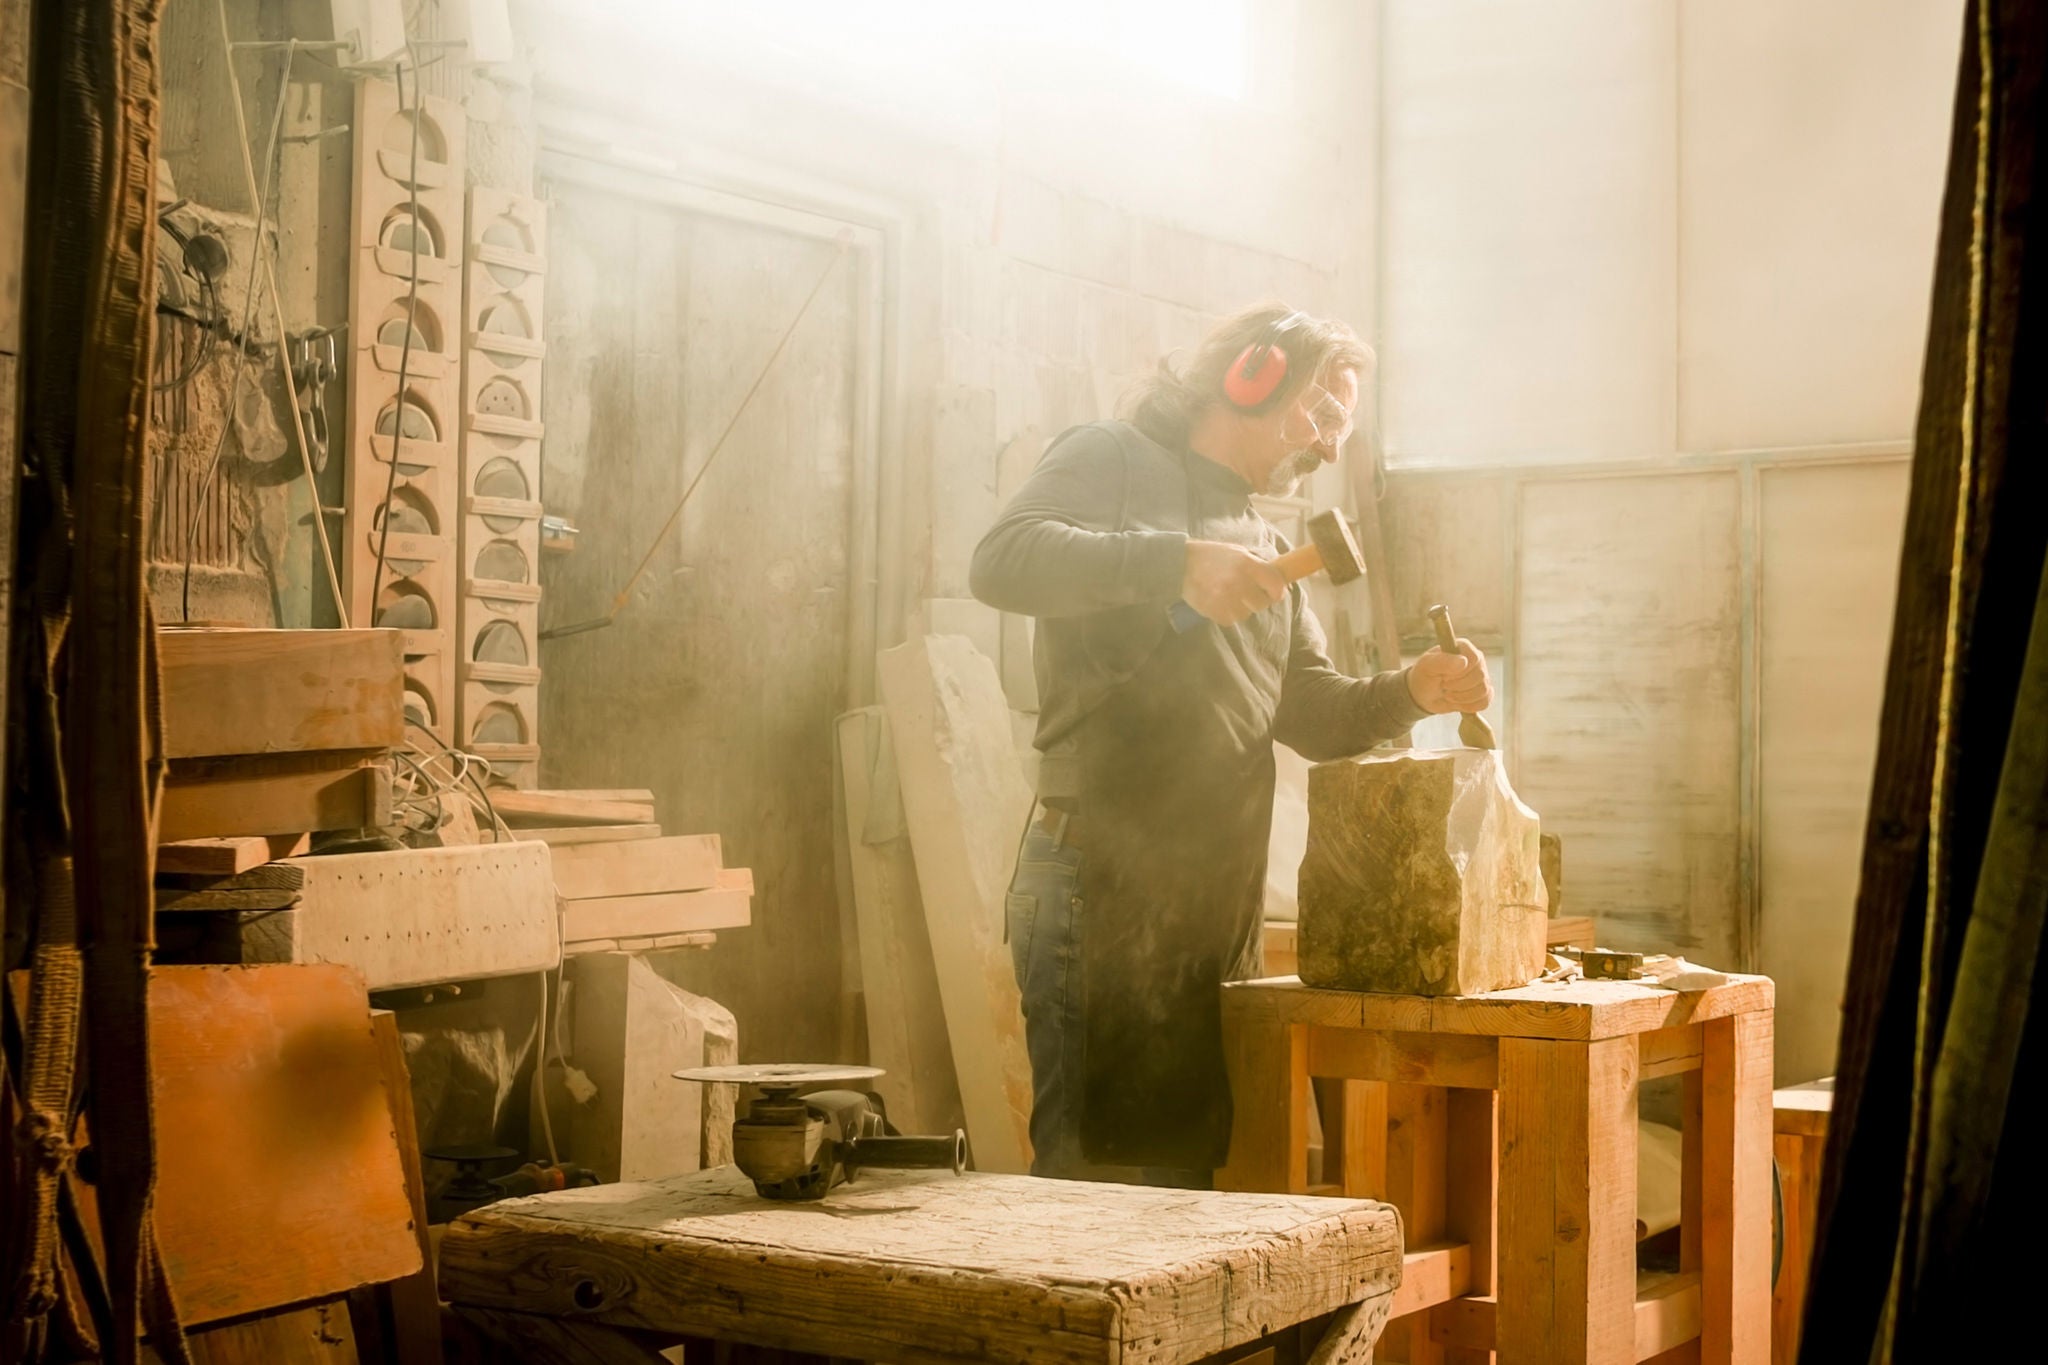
(625, 885)
(277, 733)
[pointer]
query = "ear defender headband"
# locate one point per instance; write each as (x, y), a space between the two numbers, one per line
(1260, 368)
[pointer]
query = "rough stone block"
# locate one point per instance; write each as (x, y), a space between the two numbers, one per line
(1422, 876)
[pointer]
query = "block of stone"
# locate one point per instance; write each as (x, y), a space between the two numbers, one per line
(1422, 877)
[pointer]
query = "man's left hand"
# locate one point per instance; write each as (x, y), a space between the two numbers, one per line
(1442, 682)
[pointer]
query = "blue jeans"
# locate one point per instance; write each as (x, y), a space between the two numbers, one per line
(1043, 918)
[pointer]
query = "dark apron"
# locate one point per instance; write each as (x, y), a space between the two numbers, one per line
(1176, 809)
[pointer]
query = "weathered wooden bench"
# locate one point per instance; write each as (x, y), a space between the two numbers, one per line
(920, 1266)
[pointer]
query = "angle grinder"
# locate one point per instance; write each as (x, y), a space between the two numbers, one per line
(796, 1146)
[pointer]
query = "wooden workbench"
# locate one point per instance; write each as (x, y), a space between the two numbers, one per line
(918, 1266)
(1503, 1126)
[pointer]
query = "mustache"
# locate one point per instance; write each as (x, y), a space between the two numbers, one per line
(1293, 470)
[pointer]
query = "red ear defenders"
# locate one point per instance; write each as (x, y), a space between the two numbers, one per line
(1260, 368)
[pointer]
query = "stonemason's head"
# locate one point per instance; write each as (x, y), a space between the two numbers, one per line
(1269, 393)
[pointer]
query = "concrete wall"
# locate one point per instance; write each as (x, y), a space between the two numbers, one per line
(1654, 284)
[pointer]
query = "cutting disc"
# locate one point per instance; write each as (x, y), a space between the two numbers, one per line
(780, 1074)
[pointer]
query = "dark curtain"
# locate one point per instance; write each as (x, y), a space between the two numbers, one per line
(1931, 1180)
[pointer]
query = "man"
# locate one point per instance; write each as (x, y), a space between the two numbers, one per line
(1139, 885)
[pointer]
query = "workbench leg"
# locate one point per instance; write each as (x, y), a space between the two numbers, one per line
(1735, 1188)
(1416, 1143)
(1567, 1236)
(1472, 1185)
(1267, 1060)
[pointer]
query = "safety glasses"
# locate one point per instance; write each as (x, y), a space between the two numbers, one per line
(1328, 419)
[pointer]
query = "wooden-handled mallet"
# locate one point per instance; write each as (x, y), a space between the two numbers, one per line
(1473, 731)
(1331, 547)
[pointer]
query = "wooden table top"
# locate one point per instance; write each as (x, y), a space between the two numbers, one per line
(1582, 1010)
(920, 1265)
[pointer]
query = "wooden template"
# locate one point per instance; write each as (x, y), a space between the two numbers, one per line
(406, 284)
(419, 916)
(965, 799)
(504, 279)
(564, 836)
(231, 691)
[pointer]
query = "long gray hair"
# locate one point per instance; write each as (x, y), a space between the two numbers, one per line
(1165, 403)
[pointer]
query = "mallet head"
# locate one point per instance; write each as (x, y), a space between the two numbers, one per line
(1332, 537)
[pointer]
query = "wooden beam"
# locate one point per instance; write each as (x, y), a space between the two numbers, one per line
(285, 794)
(1735, 1184)
(637, 867)
(412, 1304)
(1567, 1200)
(226, 857)
(1267, 1062)
(1431, 1275)
(1417, 1185)
(545, 808)
(1460, 1060)
(670, 912)
(562, 836)
(1569, 931)
(1666, 1317)
(1670, 1051)
(233, 691)
(1472, 1185)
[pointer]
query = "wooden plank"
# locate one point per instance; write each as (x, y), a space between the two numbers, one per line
(311, 1334)
(419, 916)
(171, 900)
(1690, 1194)
(277, 876)
(1266, 1059)
(1430, 1275)
(965, 799)
(226, 857)
(918, 1265)
(275, 795)
(906, 1023)
(637, 867)
(562, 836)
(1407, 1058)
(1667, 1313)
(1362, 1149)
(274, 1129)
(631, 1031)
(1799, 1160)
(1640, 775)
(1666, 1316)
(1567, 1201)
(1417, 1151)
(1735, 1184)
(1669, 1051)
(543, 808)
(1580, 1010)
(411, 1305)
(668, 912)
(232, 691)
(1803, 1109)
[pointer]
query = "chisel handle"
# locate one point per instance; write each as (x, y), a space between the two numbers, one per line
(1473, 730)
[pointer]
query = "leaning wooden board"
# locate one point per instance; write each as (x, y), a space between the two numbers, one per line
(275, 1130)
(637, 867)
(923, 1266)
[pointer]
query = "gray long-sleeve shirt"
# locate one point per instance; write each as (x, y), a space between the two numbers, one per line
(1093, 545)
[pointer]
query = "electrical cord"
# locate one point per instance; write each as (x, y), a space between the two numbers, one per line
(412, 297)
(501, 832)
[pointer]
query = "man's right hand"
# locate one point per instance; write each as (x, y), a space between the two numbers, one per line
(1228, 583)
